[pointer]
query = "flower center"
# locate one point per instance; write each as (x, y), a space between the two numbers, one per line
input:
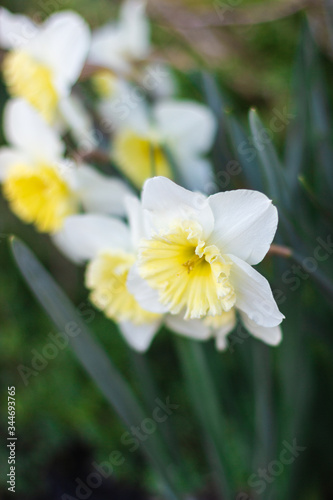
(191, 263)
(139, 157)
(39, 195)
(190, 276)
(106, 276)
(25, 77)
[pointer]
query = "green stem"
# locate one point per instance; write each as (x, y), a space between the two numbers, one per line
(205, 403)
(166, 435)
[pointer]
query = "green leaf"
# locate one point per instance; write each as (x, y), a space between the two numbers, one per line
(149, 392)
(272, 173)
(204, 399)
(324, 283)
(297, 149)
(111, 383)
(321, 125)
(328, 16)
(218, 104)
(244, 153)
(176, 173)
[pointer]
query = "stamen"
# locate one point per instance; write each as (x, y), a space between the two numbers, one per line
(191, 277)
(191, 263)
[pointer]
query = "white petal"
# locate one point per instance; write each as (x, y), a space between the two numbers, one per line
(10, 157)
(144, 295)
(271, 336)
(188, 126)
(134, 24)
(193, 328)
(62, 44)
(136, 219)
(100, 193)
(159, 80)
(79, 122)
(116, 44)
(139, 336)
(167, 201)
(85, 236)
(245, 223)
(221, 342)
(253, 294)
(222, 333)
(15, 30)
(126, 111)
(67, 169)
(196, 173)
(107, 48)
(26, 129)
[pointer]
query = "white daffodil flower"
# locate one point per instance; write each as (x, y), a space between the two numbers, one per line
(197, 261)
(118, 45)
(120, 51)
(143, 137)
(44, 61)
(110, 248)
(41, 186)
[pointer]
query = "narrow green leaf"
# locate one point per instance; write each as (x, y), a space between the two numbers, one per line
(205, 403)
(272, 172)
(329, 22)
(314, 200)
(219, 104)
(244, 153)
(297, 148)
(149, 393)
(264, 422)
(176, 174)
(93, 358)
(324, 283)
(321, 126)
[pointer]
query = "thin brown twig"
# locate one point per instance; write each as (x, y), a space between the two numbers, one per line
(96, 155)
(280, 250)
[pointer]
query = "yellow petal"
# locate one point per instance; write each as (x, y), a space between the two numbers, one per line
(31, 80)
(106, 278)
(39, 195)
(104, 83)
(139, 157)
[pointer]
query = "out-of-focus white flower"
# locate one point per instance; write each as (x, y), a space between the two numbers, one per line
(44, 61)
(118, 45)
(109, 246)
(142, 138)
(43, 187)
(197, 260)
(121, 50)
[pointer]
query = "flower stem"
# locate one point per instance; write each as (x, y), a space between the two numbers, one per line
(204, 399)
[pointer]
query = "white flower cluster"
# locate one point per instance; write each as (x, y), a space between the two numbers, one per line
(181, 258)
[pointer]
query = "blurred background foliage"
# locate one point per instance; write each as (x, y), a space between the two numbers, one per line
(267, 395)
